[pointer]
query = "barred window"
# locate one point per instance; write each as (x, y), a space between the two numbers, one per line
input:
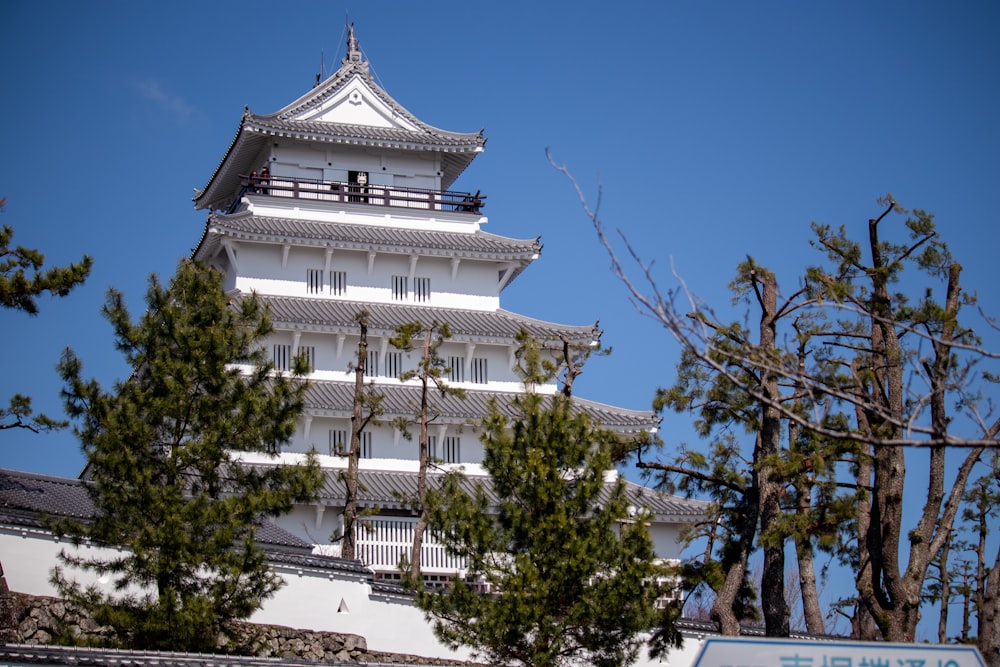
(478, 370)
(282, 357)
(421, 289)
(284, 361)
(452, 449)
(338, 283)
(432, 447)
(371, 367)
(314, 281)
(457, 365)
(400, 287)
(308, 352)
(393, 364)
(339, 443)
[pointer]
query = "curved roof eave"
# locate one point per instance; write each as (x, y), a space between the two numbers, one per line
(339, 316)
(391, 489)
(218, 192)
(331, 398)
(337, 235)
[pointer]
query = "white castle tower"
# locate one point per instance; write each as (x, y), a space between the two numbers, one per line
(342, 202)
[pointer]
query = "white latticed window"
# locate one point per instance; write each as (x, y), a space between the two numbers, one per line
(393, 364)
(371, 367)
(399, 288)
(457, 365)
(338, 283)
(314, 281)
(432, 447)
(452, 449)
(478, 370)
(421, 289)
(366, 445)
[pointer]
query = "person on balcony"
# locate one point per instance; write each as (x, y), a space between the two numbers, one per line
(265, 175)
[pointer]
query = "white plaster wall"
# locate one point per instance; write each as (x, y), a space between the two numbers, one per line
(666, 540)
(387, 442)
(261, 270)
(29, 554)
(384, 167)
(309, 600)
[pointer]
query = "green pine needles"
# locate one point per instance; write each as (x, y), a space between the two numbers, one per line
(560, 568)
(161, 461)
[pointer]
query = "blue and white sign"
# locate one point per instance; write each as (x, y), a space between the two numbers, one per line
(745, 652)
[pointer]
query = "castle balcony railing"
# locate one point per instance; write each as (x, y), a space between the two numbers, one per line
(369, 195)
(383, 542)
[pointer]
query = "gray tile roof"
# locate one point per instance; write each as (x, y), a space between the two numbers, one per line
(336, 398)
(477, 245)
(337, 315)
(457, 149)
(26, 496)
(25, 654)
(394, 491)
(388, 137)
(33, 654)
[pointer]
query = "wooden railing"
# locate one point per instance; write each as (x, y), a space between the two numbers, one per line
(382, 542)
(371, 195)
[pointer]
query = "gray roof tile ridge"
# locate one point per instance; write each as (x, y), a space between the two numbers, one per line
(240, 216)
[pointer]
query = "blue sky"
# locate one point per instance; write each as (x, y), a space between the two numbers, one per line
(717, 129)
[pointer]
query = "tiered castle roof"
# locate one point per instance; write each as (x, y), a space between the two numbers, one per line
(386, 124)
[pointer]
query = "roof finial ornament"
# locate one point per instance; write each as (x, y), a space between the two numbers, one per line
(353, 49)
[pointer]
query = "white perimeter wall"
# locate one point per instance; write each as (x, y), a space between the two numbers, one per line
(312, 599)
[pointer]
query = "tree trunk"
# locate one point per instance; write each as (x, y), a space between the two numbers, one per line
(349, 544)
(988, 639)
(421, 526)
(812, 612)
(772, 584)
(723, 609)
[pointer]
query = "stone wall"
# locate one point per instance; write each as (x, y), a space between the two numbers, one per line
(41, 620)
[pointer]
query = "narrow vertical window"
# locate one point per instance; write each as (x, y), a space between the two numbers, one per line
(478, 370)
(393, 364)
(282, 357)
(399, 288)
(339, 444)
(309, 354)
(457, 365)
(314, 281)
(432, 447)
(371, 368)
(338, 283)
(366, 445)
(452, 449)
(421, 289)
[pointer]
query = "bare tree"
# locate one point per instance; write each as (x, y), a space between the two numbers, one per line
(906, 377)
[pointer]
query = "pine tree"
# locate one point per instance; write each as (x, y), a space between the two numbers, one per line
(570, 572)
(431, 371)
(18, 291)
(365, 409)
(163, 465)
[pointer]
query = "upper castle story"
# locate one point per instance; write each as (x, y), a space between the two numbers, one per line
(347, 141)
(353, 190)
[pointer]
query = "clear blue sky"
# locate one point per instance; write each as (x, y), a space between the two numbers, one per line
(718, 129)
